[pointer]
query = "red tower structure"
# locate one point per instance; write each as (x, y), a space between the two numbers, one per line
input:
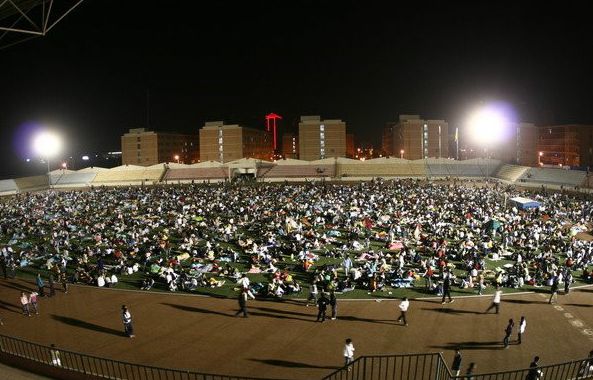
(273, 117)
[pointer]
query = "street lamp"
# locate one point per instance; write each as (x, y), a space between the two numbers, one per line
(47, 144)
(539, 158)
(401, 154)
(176, 158)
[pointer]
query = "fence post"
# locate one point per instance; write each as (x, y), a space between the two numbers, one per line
(364, 367)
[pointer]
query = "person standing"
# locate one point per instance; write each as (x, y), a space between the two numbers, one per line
(567, 282)
(40, 285)
(25, 304)
(534, 372)
(333, 302)
(348, 353)
(64, 282)
(242, 303)
(322, 303)
(554, 290)
(55, 356)
(495, 301)
(447, 286)
(469, 374)
(33, 302)
(312, 293)
(403, 307)
(508, 331)
(521, 330)
(456, 366)
(126, 317)
(52, 288)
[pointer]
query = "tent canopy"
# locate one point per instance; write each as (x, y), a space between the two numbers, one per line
(525, 203)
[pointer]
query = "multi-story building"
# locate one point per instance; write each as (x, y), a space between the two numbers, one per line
(566, 145)
(320, 139)
(290, 145)
(350, 148)
(142, 147)
(518, 145)
(414, 138)
(223, 143)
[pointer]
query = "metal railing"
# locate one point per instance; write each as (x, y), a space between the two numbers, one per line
(402, 367)
(99, 367)
(431, 366)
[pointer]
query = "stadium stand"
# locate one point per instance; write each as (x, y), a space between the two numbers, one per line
(301, 171)
(129, 175)
(8, 187)
(554, 176)
(511, 173)
(34, 183)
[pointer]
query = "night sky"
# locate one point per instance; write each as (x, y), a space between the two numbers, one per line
(364, 62)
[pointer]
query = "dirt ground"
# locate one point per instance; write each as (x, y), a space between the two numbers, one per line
(282, 339)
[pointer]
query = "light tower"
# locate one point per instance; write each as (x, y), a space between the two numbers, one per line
(273, 117)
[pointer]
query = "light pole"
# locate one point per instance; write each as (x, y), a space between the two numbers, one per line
(176, 158)
(487, 126)
(47, 144)
(539, 158)
(401, 154)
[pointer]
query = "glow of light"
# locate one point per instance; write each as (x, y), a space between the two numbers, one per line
(488, 125)
(64, 165)
(541, 154)
(28, 160)
(85, 158)
(47, 144)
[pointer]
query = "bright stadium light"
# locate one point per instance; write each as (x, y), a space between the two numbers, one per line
(487, 125)
(47, 144)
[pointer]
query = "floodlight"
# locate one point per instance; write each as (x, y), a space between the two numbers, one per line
(47, 144)
(487, 125)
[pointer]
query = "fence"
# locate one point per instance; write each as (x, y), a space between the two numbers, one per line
(68, 365)
(401, 367)
(433, 367)
(65, 363)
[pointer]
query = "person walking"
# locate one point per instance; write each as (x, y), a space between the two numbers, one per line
(33, 302)
(447, 286)
(456, 366)
(521, 330)
(40, 285)
(403, 307)
(495, 301)
(535, 372)
(322, 303)
(508, 331)
(348, 353)
(126, 317)
(554, 290)
(25, 304)
(242, 303)
(333, 302)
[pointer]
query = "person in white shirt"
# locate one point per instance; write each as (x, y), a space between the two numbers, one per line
(403, 307)
(55, 356)
(521, 331)
(495, 301)
(348, 353)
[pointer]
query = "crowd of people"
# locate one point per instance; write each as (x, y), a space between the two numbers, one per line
(376, 236)
(328, 238)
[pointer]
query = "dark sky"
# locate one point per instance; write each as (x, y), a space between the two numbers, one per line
(364, 62)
